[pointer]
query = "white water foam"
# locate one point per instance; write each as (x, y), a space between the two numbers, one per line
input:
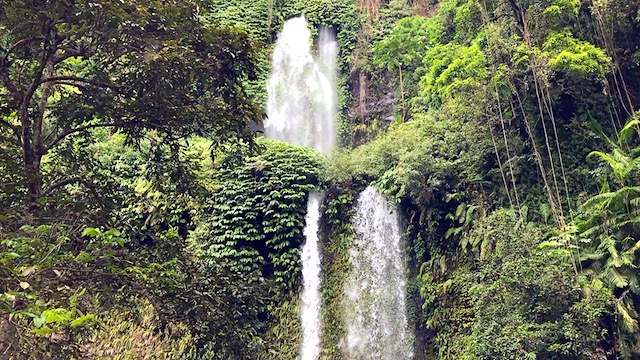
(376, 312)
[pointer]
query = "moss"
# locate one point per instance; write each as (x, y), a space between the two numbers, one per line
(138, 334)
(283, 338)
(334, 246)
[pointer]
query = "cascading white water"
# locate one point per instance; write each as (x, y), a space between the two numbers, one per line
(301, 111)
(301, 102)
(375, 308)
(327, 57)
(310, 301)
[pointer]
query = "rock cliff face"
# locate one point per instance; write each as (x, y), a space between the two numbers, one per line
(374, 97)
(371, 108)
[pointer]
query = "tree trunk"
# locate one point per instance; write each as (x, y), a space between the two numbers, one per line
(404, 112)
(32, 139)
(34, 179)
(31, 158)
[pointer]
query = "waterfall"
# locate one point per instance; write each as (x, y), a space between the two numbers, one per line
(376, 313)
(301, 90)
(301, 110)
(310, 301)
(327, 56)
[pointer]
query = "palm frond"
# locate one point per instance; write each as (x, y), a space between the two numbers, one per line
(613, 277)
(597, 128)
(627, 131)
(626, 312)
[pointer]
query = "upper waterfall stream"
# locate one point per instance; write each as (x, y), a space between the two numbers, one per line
(301, 105)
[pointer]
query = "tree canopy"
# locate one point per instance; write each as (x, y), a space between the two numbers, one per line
(71, 66)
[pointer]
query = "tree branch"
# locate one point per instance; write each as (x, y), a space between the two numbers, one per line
(21, 42)
(14, 129)
(42, 108)
(517, 11)
(6, 80)
(60, 184)
(72, 84)
(67, 79)
(88, 184)
(68, 132)
(69, 52)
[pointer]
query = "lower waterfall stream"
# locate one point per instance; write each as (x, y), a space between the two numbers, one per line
(376, 313)
(310, 299)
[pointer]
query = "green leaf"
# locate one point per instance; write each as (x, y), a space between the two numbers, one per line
(39, 321)
(59, 315)
(44, 331)
(84, 256)
(91, 232)
(84, 320)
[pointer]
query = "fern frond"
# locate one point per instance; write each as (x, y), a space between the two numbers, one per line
(613, 277)
(591, 256)
(629, 322)
(597, 128)
(598, 201)
(627, 131)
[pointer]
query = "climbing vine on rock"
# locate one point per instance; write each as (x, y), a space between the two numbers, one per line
(257, 212)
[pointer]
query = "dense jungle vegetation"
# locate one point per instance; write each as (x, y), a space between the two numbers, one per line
(141, 217)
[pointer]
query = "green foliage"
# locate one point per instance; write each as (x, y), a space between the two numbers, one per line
(406, 44)
(417, 160)
(44, 316)
(135, 66)
(485, 82)
(607, 231)
(335, 243)
(574, 57)
(514, 301)
(284, 337)
(452, 70)
(257, 212)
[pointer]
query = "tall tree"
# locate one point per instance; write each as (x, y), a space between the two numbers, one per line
(69, 66)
